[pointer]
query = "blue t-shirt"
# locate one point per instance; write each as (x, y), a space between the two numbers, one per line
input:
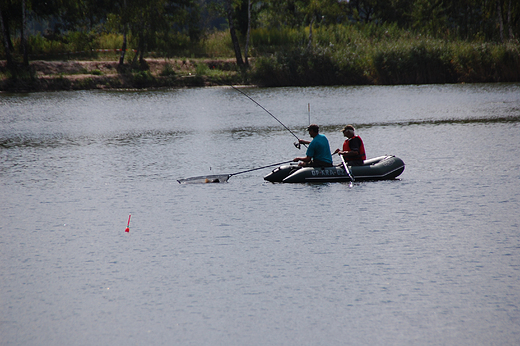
(319, 149)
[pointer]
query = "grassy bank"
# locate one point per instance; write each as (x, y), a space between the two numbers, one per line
(336, 55)
(342, 55)
(107, 74)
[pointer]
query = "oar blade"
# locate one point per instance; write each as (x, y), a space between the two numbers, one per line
(205, 179)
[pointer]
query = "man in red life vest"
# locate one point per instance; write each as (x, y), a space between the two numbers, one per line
(353, 149)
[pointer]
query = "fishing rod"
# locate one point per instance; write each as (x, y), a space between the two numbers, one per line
(271, 114)
(222, 178)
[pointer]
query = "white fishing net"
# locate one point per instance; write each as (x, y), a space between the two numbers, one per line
(205, 179)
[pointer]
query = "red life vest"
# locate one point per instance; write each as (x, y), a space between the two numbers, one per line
(362, 155)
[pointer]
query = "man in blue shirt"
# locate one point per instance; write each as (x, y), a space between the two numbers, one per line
(318, 152)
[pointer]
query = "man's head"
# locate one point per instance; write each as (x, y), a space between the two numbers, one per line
(348, 131)
(313, 130)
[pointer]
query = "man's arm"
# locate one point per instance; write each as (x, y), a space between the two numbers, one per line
(304, 159)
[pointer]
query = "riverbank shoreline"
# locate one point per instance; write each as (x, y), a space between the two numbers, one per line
(160, 73)
(89, 75)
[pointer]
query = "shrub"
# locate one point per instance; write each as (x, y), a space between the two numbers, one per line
(308, 67)
(167, 71)
(271, 40)
(201, 69)
(217, 44)
(143, 79)
(487, 63)
(413, 64)
(78, 41)
(109, 41)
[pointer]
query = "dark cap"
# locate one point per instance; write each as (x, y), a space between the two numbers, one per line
(348, 127)
(313, 127)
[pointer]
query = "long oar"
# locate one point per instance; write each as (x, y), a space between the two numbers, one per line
(271, 114)
(221, 178)
(346, 168)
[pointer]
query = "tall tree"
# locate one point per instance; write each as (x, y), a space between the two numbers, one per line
(23, 36)
(124, 24)
(5, 38)
(500, 20)
(10, 14)
(248, 34)
(230, 11)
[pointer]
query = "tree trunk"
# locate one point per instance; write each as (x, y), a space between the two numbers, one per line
(142, 44)
(5, 41)
(6, 31)
(134, 60)
(123, 49)
(23, 34)
(309, 45)
(500, 21)
(248, 35)
(234, 38)
(141, 55)
(511, 36)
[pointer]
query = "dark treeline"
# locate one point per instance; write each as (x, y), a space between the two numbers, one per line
(82, 20)
(287, 36)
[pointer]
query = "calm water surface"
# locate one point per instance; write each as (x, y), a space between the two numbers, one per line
(430, 259)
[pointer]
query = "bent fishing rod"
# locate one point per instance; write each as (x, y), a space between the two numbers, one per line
(271, 114)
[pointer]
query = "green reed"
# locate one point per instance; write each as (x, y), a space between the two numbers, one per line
(361, 54)
(333, 55)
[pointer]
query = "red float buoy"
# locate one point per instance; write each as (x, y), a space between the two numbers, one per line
(128, 225)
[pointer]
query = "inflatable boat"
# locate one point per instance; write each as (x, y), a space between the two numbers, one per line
(379, 168)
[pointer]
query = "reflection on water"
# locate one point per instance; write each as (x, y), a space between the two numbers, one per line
(491, 120)
(431, 258)
(59, 139)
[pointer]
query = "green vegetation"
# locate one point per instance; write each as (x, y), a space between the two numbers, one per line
(167, 71)
(289, 42)
(366, 54)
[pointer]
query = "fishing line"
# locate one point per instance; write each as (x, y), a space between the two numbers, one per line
(271, 114)
(222, 178)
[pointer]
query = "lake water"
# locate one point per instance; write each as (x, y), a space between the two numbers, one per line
(432, 258)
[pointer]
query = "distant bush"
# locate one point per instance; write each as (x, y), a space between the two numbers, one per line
(303, 66)
(40, 45)
(361, 54)
(415, 63)
(167, 71)
(202, 70)
(109, 41)
(337, 54)
(270, 40)
(143, 79)
(487, 62)
(217, 45)
(77, 41)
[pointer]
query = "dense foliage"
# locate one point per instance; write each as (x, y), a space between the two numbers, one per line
(294, 42)
(369, 54)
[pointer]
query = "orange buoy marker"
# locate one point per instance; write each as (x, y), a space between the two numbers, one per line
(128, 225)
